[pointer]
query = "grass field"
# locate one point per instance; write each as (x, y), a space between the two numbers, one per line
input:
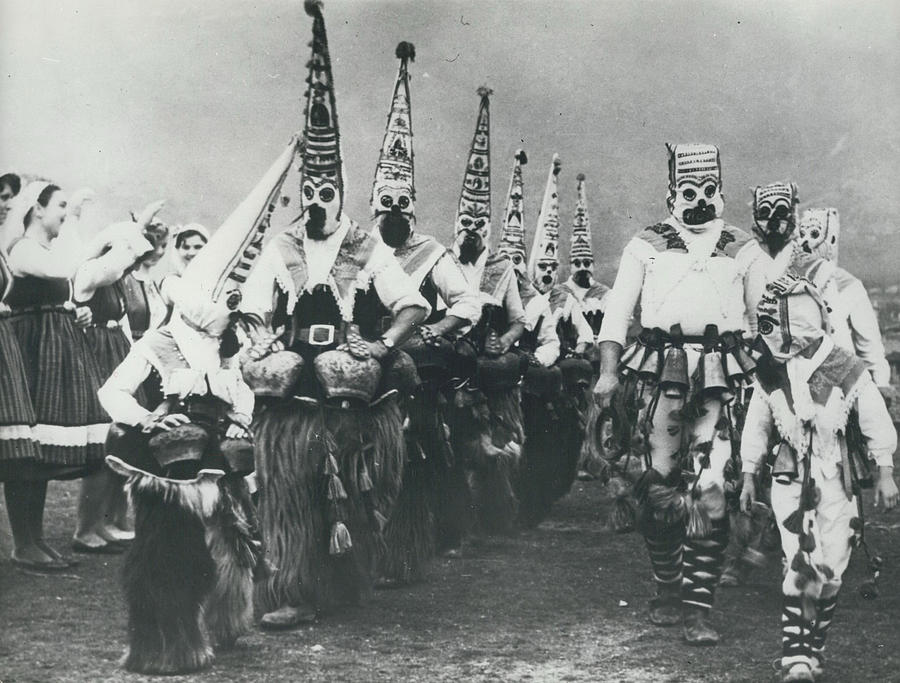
(564, 602)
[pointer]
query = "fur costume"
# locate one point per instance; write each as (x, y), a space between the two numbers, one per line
(189, 574)
(487, 420)
(329, 443)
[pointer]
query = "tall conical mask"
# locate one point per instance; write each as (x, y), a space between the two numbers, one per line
(394, 184)
(210, 287)
(543, 263)
(322, 179)
(819, 232)
(474, 212)
(512, 235)
(581, 247)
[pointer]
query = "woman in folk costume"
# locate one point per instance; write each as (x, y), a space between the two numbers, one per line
(852, 316)
(432, 498)
(487, 422)
(697, 280)
(329, 444)
(144, 303)
(188, 576)
(102, 508)
(60, 371)
(550, 402)
(20, 455)
(807, 392)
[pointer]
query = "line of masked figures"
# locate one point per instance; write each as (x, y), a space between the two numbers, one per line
(341, 404)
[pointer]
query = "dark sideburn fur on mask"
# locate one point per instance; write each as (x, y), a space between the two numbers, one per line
(394, 228)
(582, 278)
(315, 222)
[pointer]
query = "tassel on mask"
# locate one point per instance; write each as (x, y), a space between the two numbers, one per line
(340, 539)
(623, 515)
(336, 489)
(698, 524)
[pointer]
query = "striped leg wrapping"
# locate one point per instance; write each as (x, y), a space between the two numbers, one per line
(824, 615)
(666, 557)
(703, 560)
(796, 633)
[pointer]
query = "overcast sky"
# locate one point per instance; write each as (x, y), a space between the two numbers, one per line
(192, 101)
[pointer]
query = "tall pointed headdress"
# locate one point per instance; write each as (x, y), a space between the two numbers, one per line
(512, 235)
(474, 212)
(394, 180)
(581, 246)
(819, 233)
(322, 162)
(546, 239)
(210, 287)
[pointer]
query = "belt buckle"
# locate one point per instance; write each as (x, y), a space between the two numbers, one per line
(316, 340)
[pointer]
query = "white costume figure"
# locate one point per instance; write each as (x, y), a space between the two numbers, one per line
(488, 422)
(329, 454)
(697, 282)
(852, 316)
(806, 391)
(187, 459)
(432, 498)
(775, 215)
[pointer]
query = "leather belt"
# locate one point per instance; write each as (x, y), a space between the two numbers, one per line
(319, 335)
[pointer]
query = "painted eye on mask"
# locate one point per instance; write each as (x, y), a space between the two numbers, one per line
(762, 212)
(326, 194)
(766, 327)
(709, 191)
(465, 222)
(517, 259)
(308, 192)
(403, 202)
(387, 201)
(480, 223)
(689, 194)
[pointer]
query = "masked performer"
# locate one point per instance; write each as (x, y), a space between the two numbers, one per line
(433, 491)
(806, 388)
(697, 280)
(853, 318)
(188, 576)
(329, 456)
(488, 422)
(554, 414)
(775, 216)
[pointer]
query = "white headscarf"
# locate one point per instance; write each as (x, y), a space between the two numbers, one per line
(27, 199)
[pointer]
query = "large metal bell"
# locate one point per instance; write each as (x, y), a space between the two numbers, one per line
(713, 375)
(632, 358)
(652, 365)
(673, 380)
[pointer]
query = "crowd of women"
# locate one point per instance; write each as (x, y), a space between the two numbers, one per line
(71, 307)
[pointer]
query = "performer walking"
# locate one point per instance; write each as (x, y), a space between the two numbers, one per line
(329, 457)
(432, 498)
(853, 316)
(696, 280)
(806, 388)
(488, 423)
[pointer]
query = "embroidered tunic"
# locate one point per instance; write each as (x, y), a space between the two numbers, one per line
(691, 279)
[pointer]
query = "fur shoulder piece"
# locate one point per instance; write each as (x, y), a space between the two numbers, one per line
(663, 237)
(420, 253)
(731, 241)
(497, 270)
(558, 297)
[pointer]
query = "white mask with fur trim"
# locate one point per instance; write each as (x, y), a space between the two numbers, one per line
(819, 232)
(695, 185)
